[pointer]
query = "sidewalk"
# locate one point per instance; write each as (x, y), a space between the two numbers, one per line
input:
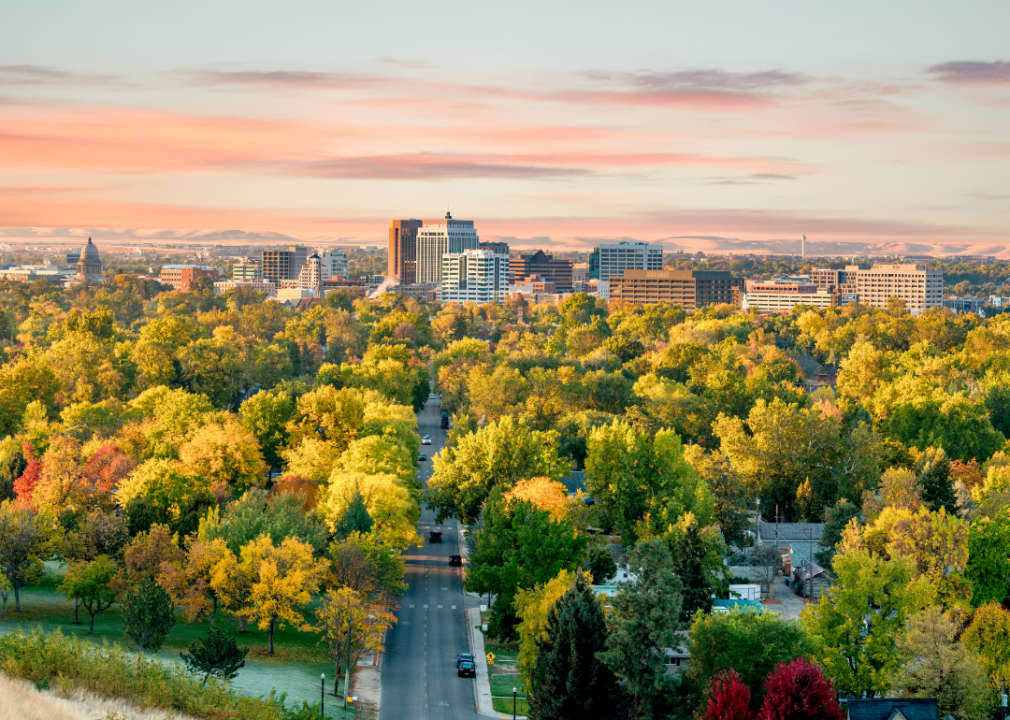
(483, 685)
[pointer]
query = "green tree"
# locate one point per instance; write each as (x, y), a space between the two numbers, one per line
(266, 415)
(148, 615)
(28, 379)
(857, 625)
(27, 538)
(217, 654)
(643, 625)
(749, 642)
(937, 488)
(354, 520)
(988, 568)
(698, 554)
(569, 680)
(517, 547)
(88, 583)
(256, 513)
(836, 519)
(498, 455)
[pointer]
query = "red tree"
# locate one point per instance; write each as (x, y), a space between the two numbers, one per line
(799, 691)
(25, 485)
(107, 468)
(728, 699)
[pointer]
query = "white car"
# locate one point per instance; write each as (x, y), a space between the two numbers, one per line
(426, 440)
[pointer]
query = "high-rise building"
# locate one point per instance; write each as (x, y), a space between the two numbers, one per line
(606, 261)
(89, 263)
(402, 255)
(310, 277)
(435, 238)
(918, 287)
(841, 281)
(333, 265)
(548, 268)
(478, 276)
(502, 248)
(688, 288)
(280, 265)
(247, 269)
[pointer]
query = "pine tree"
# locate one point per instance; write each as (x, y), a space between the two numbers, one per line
(729, 699)
(355, 519)
(568, 680)
(643, 624)
(799, 691)
(148, 615)
(215, 654)
(933, 470)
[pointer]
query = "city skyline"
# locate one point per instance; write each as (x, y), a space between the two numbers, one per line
(727, 128)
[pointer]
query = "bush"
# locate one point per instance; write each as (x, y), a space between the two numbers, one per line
(112, 671)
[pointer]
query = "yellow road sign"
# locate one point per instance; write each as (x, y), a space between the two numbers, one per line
(490, 658)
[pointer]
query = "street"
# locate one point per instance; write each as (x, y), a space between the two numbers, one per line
(419, 668)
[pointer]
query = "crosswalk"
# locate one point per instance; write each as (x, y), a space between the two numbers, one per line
(437, 607)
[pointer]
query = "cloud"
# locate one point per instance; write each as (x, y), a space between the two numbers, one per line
(424, 166)
(707, 80)
(42, 75)
(969, 72)
(408, 64)
(285, 78)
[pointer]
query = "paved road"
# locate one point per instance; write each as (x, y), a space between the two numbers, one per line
(419, 679)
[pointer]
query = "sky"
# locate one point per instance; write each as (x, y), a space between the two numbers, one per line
(739, 126)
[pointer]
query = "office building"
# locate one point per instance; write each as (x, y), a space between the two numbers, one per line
(402, 252)
(608, 260)
(918, 287)
(181, 277)
(265, 286)
(247, 269)
(502, 248)
(780, 295)
(688, 288)
(280, 265)
(477, 276)
(89, 263)
(436, 238)
(580, 277)
(543, 265)
(838, 280)
(333, 265)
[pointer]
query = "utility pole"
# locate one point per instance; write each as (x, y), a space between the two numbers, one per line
(810, 595)
(347, 667)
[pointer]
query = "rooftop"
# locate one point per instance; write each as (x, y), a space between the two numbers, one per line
(790, 532)
(892, 708)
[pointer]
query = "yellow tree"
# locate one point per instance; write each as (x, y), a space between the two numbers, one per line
(549, 495)
(191, 584)
(392, 507)
(62, 484)
(284, 578)
(225, 453)
(232, 579)
(350, 627)
(989, 636)
(533, 606)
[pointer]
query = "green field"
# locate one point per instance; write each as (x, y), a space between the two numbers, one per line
(504, 705)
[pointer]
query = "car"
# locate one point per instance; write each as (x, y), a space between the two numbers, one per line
(466, 669)
(463, 657)
(456, 560)
(426, 440)
(445, 423)
(434, 536)
(422, 457)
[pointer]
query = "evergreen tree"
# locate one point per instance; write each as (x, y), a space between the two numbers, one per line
(835, 520)
(215, 654)
(355, 519)
(148, 615)
(644, 622)
(568, 680)
(933, 471)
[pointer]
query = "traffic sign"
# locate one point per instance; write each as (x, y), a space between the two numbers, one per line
(490, 658)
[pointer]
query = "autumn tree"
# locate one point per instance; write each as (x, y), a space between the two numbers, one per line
(265, 415)
(988, 635)
(27, 538)
(728, 698)
(933, 470)
(90, 584)
(225, 454)
(988, 567)
(799, 691)
(350, 627)
(533, 605)
(148, 551)
(257, 513)
(191, 583)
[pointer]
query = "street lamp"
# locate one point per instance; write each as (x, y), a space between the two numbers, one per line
(322, 693)
(514, 691)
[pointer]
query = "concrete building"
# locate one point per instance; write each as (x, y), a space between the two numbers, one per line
(965, 305)
(402, 251)
(247, 269)
(580, 277)
(918, 287)
(478, 276)
(544, 266)
(89, 264)
(502, 248)
(333, 265)
(781, 296)
(280, 265)
(608, 260)
(267, 286)
(688, 288)
(838, 280)
(181, 277)
(311, 275)
(436, 238)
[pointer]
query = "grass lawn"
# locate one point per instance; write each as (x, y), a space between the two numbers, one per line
(504, 705)
(504, 674)
(293, 669)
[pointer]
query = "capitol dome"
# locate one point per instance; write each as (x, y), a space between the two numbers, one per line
(90, 264)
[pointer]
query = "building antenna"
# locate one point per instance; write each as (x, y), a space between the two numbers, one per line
(803, 247)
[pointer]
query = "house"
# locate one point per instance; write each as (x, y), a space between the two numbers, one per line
(802, 540)
(817, 375)
(893, 709)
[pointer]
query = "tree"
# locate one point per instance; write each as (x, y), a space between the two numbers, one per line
(165, 484)
(836, 518)
(644, 624)
(698, 554)
(192, 582)
(989, 636)
(728, 698)
(89, 583)
(215, 654)
(517, 547)
(149, 551)
(799, 691)
(750, 643)
(266, 415)
(500, 454)
(988, 568)
(392, 507)
(148, 615)
(5, 589)
(284, 578)
(937, 666)
(730, 503)
(25, 484)
(350, 627)
(28, 379)
(856, 625)
(328, 414)
(363, 563)
(355, 519)
(933, 469)
(256, 513)
(569, 680)
(226, 454)
(533, 606)
(27, 538)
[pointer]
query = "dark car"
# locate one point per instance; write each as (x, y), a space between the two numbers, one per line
(434, 536)
(464, 657)
(455, 560)
(422, 456)
(445, 423)
(466, 669)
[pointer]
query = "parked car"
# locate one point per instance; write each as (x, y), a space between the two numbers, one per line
(445, 423)
(422, 457)
(426, 440)
(456, 560)
(464, 657)
(434, 536)
(466, 669)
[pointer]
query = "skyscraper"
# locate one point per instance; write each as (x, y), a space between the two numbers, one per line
(280, 265)
(402, 263)
(435, 238)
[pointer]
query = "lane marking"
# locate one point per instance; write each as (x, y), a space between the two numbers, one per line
(425, 607)
(439, 607)
(453, 607)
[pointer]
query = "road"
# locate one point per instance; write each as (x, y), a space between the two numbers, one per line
(419, 679)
